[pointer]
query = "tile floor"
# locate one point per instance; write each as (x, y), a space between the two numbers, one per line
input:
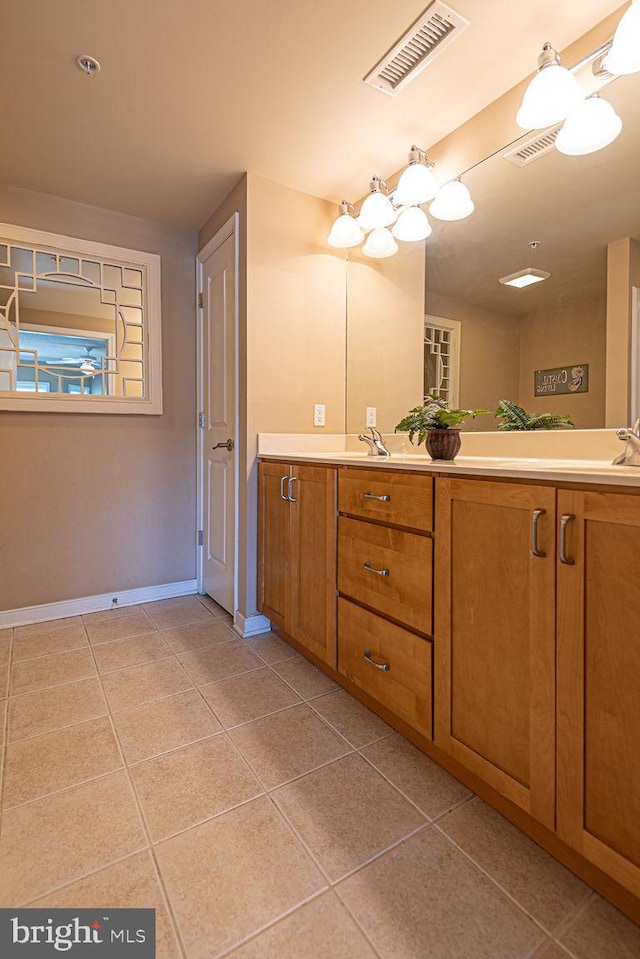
(149, 757)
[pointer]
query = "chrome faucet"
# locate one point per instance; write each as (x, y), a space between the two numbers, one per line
(375, 443)
(631, 454)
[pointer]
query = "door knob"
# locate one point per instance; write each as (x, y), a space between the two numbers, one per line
(228, 445)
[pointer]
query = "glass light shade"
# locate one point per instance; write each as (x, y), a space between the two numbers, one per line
(380, 244)
(624, 55)
(453, 202)
(594, 124)
(345, 232)
(416, 185)
(412, 225)
(550, 97)
(377, 211)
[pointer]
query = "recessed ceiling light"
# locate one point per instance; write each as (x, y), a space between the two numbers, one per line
(525, 278)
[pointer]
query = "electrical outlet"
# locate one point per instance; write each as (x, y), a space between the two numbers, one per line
(319, 418)
(371, 416)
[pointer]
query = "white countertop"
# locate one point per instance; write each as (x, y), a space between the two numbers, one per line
(299, 448)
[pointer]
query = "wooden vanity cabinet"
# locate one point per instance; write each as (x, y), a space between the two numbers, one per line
(385, 605)
(598, 804)
(494, 636)
(297, 553)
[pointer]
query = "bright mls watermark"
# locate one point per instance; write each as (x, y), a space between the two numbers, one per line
(78, 933)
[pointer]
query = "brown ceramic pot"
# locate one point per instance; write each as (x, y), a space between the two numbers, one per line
(443, 444)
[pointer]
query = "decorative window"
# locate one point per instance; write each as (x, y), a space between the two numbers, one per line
(442, 358)
(80, 326)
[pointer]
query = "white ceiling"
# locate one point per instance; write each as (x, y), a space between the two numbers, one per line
(194, 92)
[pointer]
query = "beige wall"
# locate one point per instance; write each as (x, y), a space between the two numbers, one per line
(489, 355)
(99, 502)
(566, 335)
(385, 332)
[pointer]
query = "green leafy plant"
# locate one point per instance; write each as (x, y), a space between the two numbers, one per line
(513, 417)
(434, 415)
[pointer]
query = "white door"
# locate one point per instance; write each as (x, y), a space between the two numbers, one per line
(219, 433)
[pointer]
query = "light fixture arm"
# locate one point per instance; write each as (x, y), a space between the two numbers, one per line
(378, 185)
(346, 207)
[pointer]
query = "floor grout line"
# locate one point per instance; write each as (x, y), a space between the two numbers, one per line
(146, 831)
(28, 904)
(270, 793)
(3, 770)
(495, 882)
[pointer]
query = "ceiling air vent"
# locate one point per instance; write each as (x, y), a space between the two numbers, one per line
(424, 40)
(533, 148)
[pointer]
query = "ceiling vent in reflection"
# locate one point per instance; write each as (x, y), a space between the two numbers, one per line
(425, 39)
(532, 149)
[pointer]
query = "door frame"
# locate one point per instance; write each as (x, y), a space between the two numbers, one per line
(229, 229)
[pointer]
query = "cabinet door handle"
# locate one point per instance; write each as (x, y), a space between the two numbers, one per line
(383, 499)
(564, 522)
(282, 482)
(535, 516)
(290, 497)
(379, 572)
(383, 666)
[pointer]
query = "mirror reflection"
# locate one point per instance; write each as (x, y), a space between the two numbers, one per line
(437, 318)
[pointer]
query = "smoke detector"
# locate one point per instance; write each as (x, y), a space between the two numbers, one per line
(87, 64)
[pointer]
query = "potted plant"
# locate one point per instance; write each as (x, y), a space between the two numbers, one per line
(513, 417)
(436, 426)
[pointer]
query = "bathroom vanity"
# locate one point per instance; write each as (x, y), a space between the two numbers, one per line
(486, 612)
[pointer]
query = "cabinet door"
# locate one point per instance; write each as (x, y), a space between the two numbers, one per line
(311, 601)
(599, 682)
(273, 541)
(494, 638)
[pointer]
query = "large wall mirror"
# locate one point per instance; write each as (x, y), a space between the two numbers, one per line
(436, 315)
(80, 326)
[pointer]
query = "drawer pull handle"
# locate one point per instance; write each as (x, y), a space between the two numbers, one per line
(535, 516)
(383, 666)
(371, 569)
(564, 522)
(385, 498)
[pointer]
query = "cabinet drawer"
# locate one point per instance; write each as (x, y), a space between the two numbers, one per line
(405, 499)
(387, 569)
(405, 686)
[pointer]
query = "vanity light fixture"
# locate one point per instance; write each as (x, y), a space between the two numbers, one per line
(380, 244)
(593, 124)
(377, 209)
(524, 278)
(417, 184)
(453, 202)
(624, 56)
(412, 225)
(345, 231)
(552, 94)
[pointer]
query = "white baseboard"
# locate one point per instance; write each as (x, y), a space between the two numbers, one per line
(247, 626)
(92, 604)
